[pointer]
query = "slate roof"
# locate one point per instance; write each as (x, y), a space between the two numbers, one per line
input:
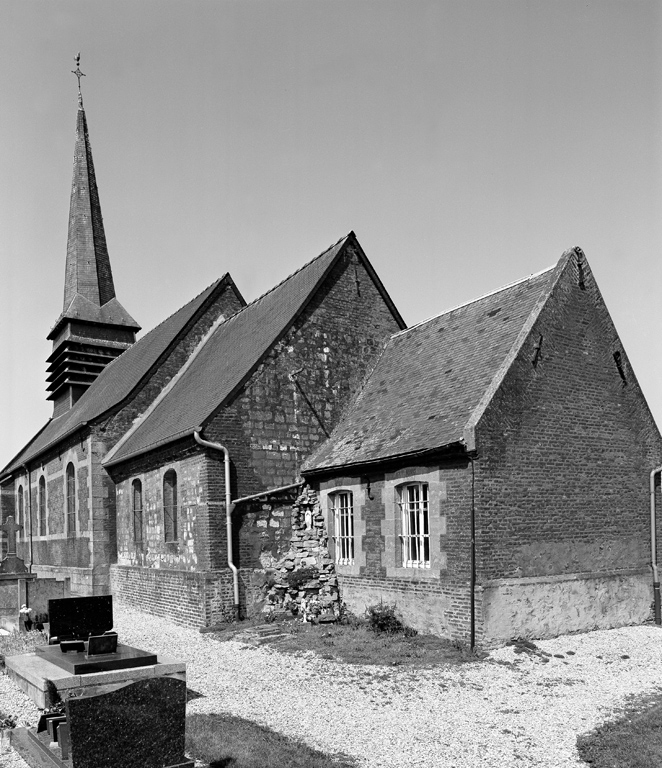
(117, 380)
(89, 291)
(431, 378)
(228, 356)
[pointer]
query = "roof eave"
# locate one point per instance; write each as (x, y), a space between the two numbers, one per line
(455, 448)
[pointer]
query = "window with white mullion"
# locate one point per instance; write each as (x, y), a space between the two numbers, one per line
(415, 531)
(343, 518)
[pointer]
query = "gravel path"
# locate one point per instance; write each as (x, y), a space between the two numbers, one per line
(509, 710)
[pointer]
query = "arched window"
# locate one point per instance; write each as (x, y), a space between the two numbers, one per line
(137, 495)
(71, 500)
(170, 505)
(41, 504)
(415, 525)
(343, 526)
(20, 510)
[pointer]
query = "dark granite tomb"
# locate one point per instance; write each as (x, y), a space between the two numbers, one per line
(76, 618)
(141, 725)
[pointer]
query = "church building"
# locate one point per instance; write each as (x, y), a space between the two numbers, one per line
(487, 471)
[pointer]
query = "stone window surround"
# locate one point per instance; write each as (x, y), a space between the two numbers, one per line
(392, 523)
(351, 485)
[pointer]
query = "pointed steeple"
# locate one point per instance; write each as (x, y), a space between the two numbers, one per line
(94, 327)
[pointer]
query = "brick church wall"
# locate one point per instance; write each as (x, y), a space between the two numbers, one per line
(564, 455)
(86, 559)
(269, 429)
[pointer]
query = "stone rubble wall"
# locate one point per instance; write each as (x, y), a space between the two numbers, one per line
(295, 571)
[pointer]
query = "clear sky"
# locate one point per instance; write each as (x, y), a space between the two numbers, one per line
(468, 143)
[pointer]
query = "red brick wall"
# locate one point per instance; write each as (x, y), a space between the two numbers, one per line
(565, 450)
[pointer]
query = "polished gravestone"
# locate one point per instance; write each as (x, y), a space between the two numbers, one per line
(139, 725)
(76, 618)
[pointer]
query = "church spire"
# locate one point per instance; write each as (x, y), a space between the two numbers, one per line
(94, 327)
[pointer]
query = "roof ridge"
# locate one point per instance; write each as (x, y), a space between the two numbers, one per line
(169, 386)
(172, 314)
(477, 299)
(289, 277)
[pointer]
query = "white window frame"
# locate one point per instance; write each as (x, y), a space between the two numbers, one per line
(414, 503)
(342, 504)
(391, 525)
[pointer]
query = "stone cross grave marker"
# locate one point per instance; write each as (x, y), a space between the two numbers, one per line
(11, 528)
(12, 563)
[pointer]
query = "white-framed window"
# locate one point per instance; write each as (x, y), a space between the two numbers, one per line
(414, 525)
(342, 504)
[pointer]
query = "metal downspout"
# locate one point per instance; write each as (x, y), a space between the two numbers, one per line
(27, 471)
(472, 580)
(656, 577)
(229, 507)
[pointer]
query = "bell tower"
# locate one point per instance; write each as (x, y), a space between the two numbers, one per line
(94, 328)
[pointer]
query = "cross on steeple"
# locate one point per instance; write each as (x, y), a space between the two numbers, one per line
(78, 74)
(11, 529)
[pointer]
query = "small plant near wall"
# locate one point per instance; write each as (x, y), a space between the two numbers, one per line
(296, 579)
(382, 617)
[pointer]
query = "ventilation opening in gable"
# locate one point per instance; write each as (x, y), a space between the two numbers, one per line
(621, 369)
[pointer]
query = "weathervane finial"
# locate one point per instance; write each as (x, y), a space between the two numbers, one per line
(78, 74)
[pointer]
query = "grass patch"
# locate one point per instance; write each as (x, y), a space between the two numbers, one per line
(20, 642)
(226, 741)
(361, 645)
(632, 741)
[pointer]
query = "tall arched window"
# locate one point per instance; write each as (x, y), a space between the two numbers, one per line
(20, 510)
(41, 504)
(71, 500)
(137, 494)
(170, 505)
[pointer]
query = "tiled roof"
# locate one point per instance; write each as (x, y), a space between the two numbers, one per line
(117, 380)
(225, 359)
(430, 379)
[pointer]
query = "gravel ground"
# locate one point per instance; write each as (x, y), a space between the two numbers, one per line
(509, 710)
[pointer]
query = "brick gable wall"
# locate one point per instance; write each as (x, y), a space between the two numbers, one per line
(270, 427)
(564, 455)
